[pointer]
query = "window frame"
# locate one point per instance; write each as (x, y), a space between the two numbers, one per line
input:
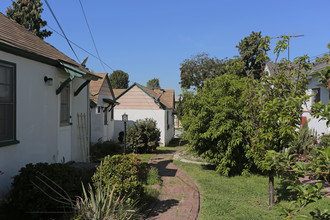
(68, 120)
(13, 140)
(314, 95)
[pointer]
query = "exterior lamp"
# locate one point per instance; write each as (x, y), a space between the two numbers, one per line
(48, 81)
(124, 119)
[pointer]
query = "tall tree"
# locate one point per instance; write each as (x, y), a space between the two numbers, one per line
(153, 84)
(119, 79)
(198, 68)
(28, 14)
(251, 51)
(274, 109)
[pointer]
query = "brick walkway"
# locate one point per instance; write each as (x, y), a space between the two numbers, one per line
(179, 198)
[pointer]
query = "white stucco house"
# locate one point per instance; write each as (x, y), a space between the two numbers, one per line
(140, 102)
(102, 102)
(42, 93)
(318, 91)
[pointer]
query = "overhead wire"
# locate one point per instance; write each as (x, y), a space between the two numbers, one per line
(90, 32)
(62, 30)
(86, 51)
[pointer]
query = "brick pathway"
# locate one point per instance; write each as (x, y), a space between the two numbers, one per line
(179, 198)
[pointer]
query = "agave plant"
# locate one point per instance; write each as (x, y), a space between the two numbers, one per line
(101, 204)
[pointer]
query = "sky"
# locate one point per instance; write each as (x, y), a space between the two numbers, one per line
(151, 38)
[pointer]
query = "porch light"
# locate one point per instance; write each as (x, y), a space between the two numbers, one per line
(48, 81)
(125, 117)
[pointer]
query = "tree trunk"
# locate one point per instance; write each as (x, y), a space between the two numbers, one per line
(271, 188)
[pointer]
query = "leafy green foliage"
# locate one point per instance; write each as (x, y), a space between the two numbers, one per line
(325, 141)
(251, 48)
(275, 108)
(101, 149)
(322, 215)
(325, 57)
(126, 172)
(198, 68)
(153, 83)
(214, 126)
(143, 136)
(28, 14)
(39, 188)
(119, 79)
(305, 138)
(101, 204)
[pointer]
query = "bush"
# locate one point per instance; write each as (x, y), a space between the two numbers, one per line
(325, 141)
(126, 172)
(143, 136)
(101, 204)
(214, 124)
(36, 186)
(101, 149)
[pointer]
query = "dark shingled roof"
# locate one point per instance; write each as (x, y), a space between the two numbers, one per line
(17, 40)
(315, 66)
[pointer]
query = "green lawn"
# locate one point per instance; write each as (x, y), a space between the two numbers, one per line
(240, 197)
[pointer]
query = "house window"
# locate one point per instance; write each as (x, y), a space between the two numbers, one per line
(167, 119)
(111, 115)
(105, 116)
(7, 103)
(315, 95)
(65, 106)
(98, 109)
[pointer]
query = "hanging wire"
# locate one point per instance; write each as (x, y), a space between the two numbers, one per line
(62, 30)
(81, 48)
(90, 32)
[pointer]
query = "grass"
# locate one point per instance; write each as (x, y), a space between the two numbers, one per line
(240, 197)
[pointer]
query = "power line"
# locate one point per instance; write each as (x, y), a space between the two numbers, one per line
(97, 52)
(62, 30)
(81, 48)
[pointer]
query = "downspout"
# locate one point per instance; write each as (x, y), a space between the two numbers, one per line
(89, 123)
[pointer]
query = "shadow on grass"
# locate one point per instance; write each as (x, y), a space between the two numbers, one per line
(284, 194)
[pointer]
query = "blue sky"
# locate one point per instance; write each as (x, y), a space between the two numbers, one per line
(150, 38)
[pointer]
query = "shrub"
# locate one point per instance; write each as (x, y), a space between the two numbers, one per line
(305, 139)
(325, 141)
(101, 149)
(214, 124)
(143, 136)
(44, 187)
(127, 172)
(101, 204)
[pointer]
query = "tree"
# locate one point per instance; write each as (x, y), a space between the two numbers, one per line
(198, 68)
(251, 54)
(119, 79)
(213, 126)
(153, 84)
(273, 111)
(28, 14)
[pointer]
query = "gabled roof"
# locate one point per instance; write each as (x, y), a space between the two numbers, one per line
(315, 66)
(17, 40)
(165, 99)
(95, 87)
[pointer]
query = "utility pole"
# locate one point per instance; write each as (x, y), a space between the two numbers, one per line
(282, 36)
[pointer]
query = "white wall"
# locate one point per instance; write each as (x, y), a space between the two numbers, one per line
(133, 115)
(314, 123)
(37, 118)
(99, 131)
